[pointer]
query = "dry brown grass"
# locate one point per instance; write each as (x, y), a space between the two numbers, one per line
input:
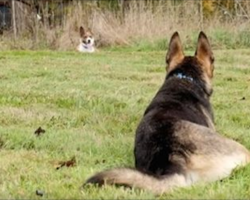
(140, 22)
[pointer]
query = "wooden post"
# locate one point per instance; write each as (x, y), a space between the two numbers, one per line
(200, 5)
(14, 19)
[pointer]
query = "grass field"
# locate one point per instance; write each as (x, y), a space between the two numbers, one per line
(90, 106)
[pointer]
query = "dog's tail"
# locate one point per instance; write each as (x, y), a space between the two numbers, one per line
(134, 178)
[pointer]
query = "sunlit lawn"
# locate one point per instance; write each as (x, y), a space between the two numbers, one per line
(89, 105)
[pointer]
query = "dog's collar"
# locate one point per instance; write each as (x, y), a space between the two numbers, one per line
(85, 46)
(183, 76)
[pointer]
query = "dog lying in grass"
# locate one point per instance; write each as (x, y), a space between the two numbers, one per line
(176, 144)
(87, 41)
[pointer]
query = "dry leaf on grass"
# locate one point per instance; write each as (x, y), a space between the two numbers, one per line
(39, 131)
(69, 163)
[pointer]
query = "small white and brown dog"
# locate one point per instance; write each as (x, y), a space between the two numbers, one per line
(87, 41)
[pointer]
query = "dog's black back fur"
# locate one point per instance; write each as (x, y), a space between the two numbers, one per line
(178, 99)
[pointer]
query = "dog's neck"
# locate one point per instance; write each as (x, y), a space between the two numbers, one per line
(181, 75)
(86, 48)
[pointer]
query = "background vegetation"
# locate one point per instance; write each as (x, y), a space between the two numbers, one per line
(141, 23)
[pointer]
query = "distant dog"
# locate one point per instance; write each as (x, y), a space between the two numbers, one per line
(87, 41)
(176, 144)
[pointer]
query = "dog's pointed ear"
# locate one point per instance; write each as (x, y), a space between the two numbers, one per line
(204, 53)
(175, 53)
(82, 31)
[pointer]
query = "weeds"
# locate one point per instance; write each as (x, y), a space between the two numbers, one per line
(142, 26)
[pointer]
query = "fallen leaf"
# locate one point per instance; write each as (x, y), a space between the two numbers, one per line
(39, 131)
(69, 163)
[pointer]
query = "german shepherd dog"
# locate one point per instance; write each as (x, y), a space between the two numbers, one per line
(176, 144)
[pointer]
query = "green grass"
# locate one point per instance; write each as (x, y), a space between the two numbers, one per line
(220, 38)
(90, 106)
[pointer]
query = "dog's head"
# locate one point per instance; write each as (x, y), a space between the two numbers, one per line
(199, 66)
(86, 37)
